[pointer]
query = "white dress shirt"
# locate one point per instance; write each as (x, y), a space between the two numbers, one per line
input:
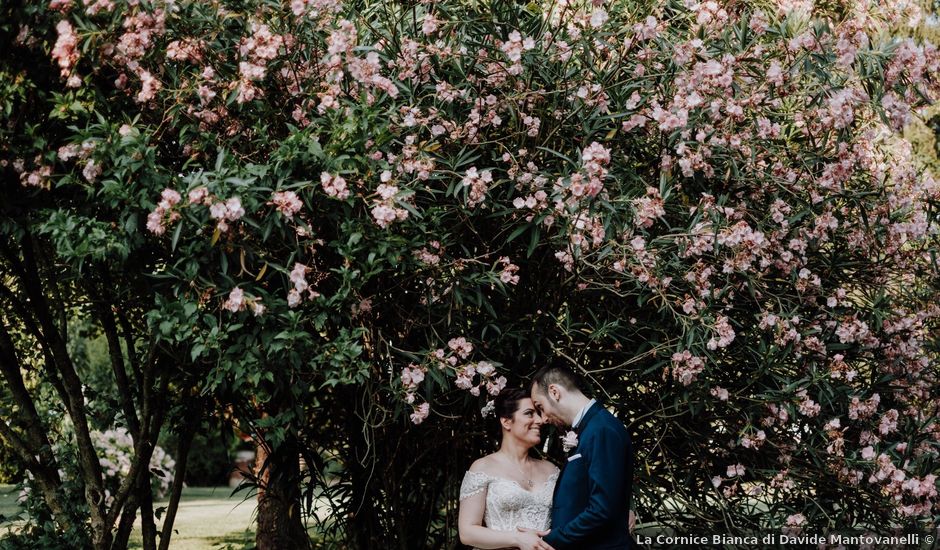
(584, 409)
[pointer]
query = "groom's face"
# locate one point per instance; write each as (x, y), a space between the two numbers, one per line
(544, 404)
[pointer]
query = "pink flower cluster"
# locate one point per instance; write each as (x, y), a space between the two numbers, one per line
(226, 211)
(334, 186)
(807, 406)
(256, 51)
(725, 334)
(368, 71)
(40, 177)
(479, 183)
(648, 209)
(513, 49)
(93, 7)
(141, 31)
(420, 413)
(237, 301)
(488, 378)
(428, 257)
(316, 9)
(92, 169)
(189, 49)
(595, 158)
(860, 410)
(298, 278)
(753, 441)
(686, 367)
(509, 272)
(287, 203)
(164, 214)
(65, 53)
(411, 378)
(384, 209)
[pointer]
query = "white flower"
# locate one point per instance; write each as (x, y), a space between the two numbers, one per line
(569, 441)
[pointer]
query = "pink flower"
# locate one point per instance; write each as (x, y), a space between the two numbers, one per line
(171, 197)
(493, 387)
(287, 203)
(155, 223)
(889, 422)
(235, 301)
(298, 277)
(479, 183)
(725, 334)
(217, 210)
(293, 298)
(485, 368)
(149, 87)
(735, 470)
(508, 274)
(720, 393)
(198, 195)
(429, 25)
(65, 51)
(807, 407)
(461, 346)
(648, 208)
(384, 214)
(91, 171)
(412, 376)
(463, 381)
(598, 18)
(420, 413)
(233, 209)
(686, 367)
(335, 186)
(569, 441)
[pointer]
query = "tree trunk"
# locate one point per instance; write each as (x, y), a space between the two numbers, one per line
(280, 525)
(176, 492)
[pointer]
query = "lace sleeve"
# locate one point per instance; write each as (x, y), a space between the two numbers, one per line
(473, 483)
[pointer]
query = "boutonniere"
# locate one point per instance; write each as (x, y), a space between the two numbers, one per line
(569, 441)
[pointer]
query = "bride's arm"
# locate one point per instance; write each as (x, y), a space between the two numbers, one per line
(471, 529)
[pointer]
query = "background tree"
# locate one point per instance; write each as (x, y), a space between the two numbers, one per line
(75, 267)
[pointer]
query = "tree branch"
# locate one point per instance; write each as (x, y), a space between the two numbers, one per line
(88, 457)
(106, 316)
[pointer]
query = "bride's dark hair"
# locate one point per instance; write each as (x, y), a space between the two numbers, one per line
(505, 406)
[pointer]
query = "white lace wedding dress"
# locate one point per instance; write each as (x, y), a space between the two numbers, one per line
(508, 504)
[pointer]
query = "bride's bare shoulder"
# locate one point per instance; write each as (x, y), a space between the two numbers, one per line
(546, 467)
(484, 464)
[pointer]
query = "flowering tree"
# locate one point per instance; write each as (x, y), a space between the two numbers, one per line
(376, 215)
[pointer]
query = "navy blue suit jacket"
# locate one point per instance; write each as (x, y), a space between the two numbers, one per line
(592, 495)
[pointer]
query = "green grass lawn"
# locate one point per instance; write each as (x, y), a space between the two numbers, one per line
(8, 506)
(209, 518)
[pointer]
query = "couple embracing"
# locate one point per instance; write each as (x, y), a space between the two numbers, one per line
(509, 499)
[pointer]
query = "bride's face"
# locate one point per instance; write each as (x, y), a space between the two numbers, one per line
(526, 423)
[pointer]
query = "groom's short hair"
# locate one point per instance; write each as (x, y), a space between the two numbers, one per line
(558, 372)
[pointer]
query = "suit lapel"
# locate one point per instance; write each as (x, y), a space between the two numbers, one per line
(588, 415)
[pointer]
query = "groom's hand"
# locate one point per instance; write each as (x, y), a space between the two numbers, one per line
(530, 539)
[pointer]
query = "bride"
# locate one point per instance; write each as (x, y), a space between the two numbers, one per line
(507, 491)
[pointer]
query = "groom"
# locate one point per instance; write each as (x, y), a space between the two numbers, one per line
(592, 495)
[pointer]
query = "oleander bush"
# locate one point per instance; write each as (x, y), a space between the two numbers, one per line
(371, 216)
